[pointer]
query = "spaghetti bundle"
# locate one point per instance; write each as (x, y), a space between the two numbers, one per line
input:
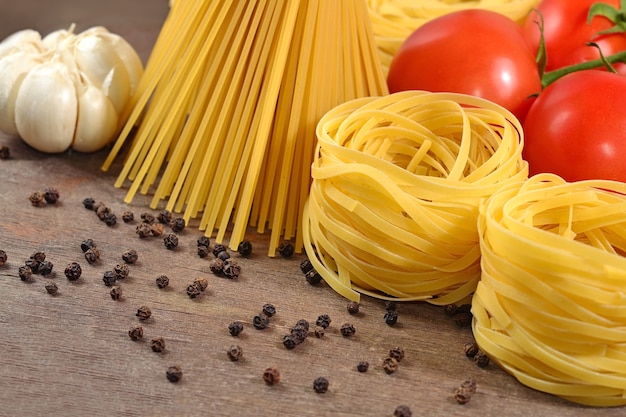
(395, 20)
(550, 307)
(226, 110)
(397, 182)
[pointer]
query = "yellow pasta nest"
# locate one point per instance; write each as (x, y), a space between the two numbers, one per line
(397, 182)
(394, 20)
(550, 307)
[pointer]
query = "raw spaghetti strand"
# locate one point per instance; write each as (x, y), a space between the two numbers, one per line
(397, 182)
(550, 306)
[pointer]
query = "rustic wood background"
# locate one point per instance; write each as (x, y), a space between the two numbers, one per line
(70, 354)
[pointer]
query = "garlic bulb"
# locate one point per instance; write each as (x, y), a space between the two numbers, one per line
(66, 90)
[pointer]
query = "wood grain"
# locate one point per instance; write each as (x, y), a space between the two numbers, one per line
(70, 354)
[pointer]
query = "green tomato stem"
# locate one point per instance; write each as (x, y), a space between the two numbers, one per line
(551, 76)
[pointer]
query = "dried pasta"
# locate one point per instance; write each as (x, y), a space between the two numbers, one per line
(395, 20)
(550, 306)
(397, 182)
(225, 114)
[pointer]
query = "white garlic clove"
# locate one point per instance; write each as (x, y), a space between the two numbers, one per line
(59, 37)
(99, 62)
(26, 40)
(97, 120)
(13, 70)
(46, 108)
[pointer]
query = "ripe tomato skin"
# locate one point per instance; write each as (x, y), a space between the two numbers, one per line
(476, 52)
(566, 32)
(576, 128)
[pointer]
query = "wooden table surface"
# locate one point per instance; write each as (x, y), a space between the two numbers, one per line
(70, 354)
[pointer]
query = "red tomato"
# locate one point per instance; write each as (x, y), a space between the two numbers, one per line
(566, 32)
(476, 52)
(576, 128)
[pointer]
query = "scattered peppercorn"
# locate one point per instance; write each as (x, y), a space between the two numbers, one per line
(347, 330)
(162, 281)
(3, 257)
(319, 332)
(147, 218)
(97, 205)
(194, 290)
(89, 202)
(130, 256)
(313, 277)
(320, 385)
(300, 333)
(260, 321)
(290, 341)
(73, 271)
(51, 195)
(306, 266)
(269, 310)
(102, 211)
(142, 230)
(171, 241)
(203, 251)
(164, 216)
(202, 282)
(45, 268)
(5, 152)
(450, 309)
(177, 225)
(157, 344)
(216, 266)
(469, 383)
(156, 229)
(390, 365)
(143, 313)
(25, 272)
(87, 244)
(462, 395)
(402, 411)
(470, 349)
(397, 353)
(52, 288)
(92, 255)
(234, 353)
(271, 376)
(38, 256)
(36, 198)
(128, 217)
(235, 328)
(481, 359)
(174, 373)
(362, 366)
(136, 333)
(463, 319)
(390, 317)
(223, 255)
(245, 248)
(353, 307)
(121, 271)
(116, 292)
(391, 306)
(286, 249)
(204, 241)
(231, 269)
(323, 320)
(110, 219)
(218, 248)
(108, 278)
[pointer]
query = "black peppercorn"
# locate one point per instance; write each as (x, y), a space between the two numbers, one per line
(142, 230)
(97, 205)
(102, 211)
(130, 256)
(73, 271)
(362, 366)
(110, 219)
(52, 288)
(286, 249)
(164, 216)
(320, 385)
(299, 332)
(216, 266)
(391, 305)
(223, 255)
(231, 269)
(5, 152)
(235, 328)
(108, 278)
(303, 323)
(3, 257)
(156, 229)
(470, 384)
(260, 321)
(481, 359)
(45, 268)
(87, 244)
(347, 330)
(313, 277)
(245, 248)
(143, 313)
(306, 266)
(353, 307)
(271, 376)
(89, 202)
(470, 349)
(462, 395)
(162, 281)
(25, 272)
(397, 353)
(203, 251)
(177, 225)
(194, 290)
(116, 292)
(157, 344)
(128, 216)
(33, 265)
(92, 255)
(51, 195)
(390, 365)
(204, 241)
(218, 248)
(234, 353)
(402, 411)
(202, 282)
(174, 373)
(390, 317)
(147, 217)
(171, 241)
(463, 319)
(136, 333)
(36, 198)
(290, 341)
(121, 271)
(269, 310)
(319, 331)
(38, 256)
(450, 309)
(323, 320)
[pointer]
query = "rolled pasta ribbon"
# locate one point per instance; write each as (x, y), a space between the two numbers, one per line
(550, 307)
(396, 185)
(394, 20)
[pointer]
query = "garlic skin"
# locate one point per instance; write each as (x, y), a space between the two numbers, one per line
(66, 90)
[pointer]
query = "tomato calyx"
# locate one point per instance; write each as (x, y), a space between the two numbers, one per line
(616, 16)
